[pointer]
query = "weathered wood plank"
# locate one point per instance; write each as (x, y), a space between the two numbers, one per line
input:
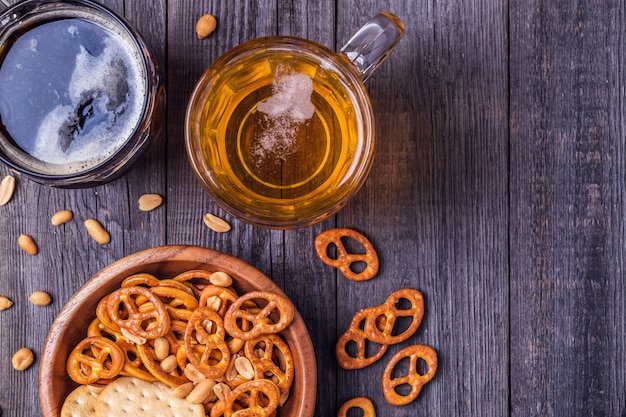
(435, 204)
(567, 209)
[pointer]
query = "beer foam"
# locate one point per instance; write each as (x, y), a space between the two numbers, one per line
(285, 111)
(106, 94)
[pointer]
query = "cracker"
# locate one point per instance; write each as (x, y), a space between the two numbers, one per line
(129, 396)
(80, 403)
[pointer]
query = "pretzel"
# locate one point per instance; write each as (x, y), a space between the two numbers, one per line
(102, 312)
(189, 311)
(261, 321)
(178, 302)
(413, 378)
(146, 324)
(344, 260)
(207, 350)
(260, 398)
(276, 361)
(94, 358)
(355, 335)
(380, 321)
(365, 404)
(198, 277)
(142, 278)
(133, 364)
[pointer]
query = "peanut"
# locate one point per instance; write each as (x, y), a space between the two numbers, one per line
(214, 303)
(7, 187)
(40, 298)
(231, 371)
(61, 217)
(215, 223)
(97, 231)
(221, 279)
(244, 367)
(27, 244)
(201, 391)
(193, 374)
(169, 364)
(205, 26)
(183, 390)
(132, 337)
(222, 391)
(22, 359)
(149, 202)
(162, 349)
(5, 303)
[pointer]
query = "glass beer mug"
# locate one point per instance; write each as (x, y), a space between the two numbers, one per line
(81, 97)
(280, 130)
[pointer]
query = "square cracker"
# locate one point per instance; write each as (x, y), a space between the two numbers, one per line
(80, 403)
(129, 396)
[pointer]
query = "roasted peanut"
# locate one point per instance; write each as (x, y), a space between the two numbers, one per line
(162, 349)
(7, 187)
(201, 391)
(61, 217)
(149, 202)
(5, 303)
(27, 244)
(169, 364)
(22, 359)
(193, 374)
(222, 391)
(244, 367)
(132, 337)
(97, 231)
(40, 298)
(183, 390)
(205, 26)
(215, 223)
(221, 279)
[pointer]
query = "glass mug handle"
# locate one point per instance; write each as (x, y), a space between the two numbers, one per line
(373, 42)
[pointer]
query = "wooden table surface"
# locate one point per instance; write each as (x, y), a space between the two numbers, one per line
(497, 191)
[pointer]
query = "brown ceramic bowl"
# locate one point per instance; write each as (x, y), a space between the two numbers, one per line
(71, 324)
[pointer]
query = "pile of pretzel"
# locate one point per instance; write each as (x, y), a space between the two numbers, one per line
(373, 329)
(186, 330)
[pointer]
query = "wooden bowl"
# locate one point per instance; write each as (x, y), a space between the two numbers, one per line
(70, 326)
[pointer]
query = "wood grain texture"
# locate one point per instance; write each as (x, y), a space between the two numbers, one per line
(567, 209)
(435, 204)
(497, 191)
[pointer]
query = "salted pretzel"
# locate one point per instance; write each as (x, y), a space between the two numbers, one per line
(198, 277)
(357, 359)
(345, 259)
(206, 349)
(413, 378)
(381, 320)
(148, 324)
(276, 361)
(178, 302)
(94, 358)
(102, 312)
(133, 364)
(262, 321)
(363, 403)
(141, 279)
(260, 398)
(189, 312)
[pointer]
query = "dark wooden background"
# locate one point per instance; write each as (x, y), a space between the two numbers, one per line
(498, 191)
